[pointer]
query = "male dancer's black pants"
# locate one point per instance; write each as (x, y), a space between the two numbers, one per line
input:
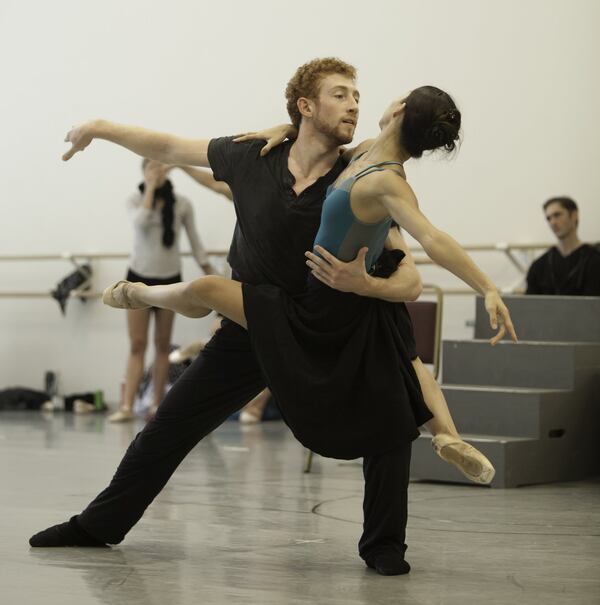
(220, 381)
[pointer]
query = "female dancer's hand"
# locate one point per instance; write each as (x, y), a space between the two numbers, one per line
(80, 137)
(499, 317)
(273, 136)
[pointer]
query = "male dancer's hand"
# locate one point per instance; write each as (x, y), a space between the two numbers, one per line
(80, 137)
(339, 275)
(403, 285)
(499, 317)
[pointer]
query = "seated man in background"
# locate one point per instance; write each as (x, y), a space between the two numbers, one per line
(570, 268)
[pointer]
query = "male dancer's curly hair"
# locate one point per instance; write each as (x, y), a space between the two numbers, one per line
(305, 82)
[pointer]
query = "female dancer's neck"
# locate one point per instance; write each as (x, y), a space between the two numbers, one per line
(386, 147)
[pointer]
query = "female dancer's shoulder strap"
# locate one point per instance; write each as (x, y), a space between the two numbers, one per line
(357, 157)
(378, 168)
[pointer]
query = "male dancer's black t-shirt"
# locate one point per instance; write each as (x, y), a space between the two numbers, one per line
(274, 226)
(577, 274)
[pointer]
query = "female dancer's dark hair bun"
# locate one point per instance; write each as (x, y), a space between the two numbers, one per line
(431, 121)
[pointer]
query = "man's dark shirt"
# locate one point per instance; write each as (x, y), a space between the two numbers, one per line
(274, 226)
(577, 274)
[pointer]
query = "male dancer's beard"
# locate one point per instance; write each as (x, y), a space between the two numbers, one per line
(332, 132)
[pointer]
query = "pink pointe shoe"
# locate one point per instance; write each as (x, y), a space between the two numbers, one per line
(467, 459)
(116, 296)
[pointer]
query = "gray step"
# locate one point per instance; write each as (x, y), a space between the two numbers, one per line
(526, 364)
(517, 460)
(547, 318)
(520, 412)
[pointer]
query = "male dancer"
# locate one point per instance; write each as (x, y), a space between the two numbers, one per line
(278, 202)
(571, 268)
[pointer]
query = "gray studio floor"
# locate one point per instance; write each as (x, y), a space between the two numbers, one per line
(240, 523)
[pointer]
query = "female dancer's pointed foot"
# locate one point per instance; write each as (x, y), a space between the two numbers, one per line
(69, 533)
(467, 459)
(119, 296)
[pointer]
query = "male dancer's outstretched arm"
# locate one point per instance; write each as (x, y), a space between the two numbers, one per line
(160, 146)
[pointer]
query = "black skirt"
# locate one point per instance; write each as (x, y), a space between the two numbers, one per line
(339, 365)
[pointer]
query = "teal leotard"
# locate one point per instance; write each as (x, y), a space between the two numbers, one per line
(341, 233)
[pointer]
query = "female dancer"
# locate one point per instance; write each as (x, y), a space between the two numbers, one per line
(338, 363)
(158, 215)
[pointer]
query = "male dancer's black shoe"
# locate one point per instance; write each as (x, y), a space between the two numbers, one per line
(69, 533)
(388, 564)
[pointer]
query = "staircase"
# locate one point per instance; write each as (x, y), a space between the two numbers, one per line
(533, 408)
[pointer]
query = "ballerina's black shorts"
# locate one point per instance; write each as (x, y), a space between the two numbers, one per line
(152, 281)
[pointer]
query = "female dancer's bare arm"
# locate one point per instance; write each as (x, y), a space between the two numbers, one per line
(398, 199)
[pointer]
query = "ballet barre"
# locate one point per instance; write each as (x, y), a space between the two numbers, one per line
(509, 250)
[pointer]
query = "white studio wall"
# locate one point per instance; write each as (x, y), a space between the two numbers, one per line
(523, 73)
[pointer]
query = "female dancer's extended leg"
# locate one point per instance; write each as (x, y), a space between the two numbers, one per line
(447, 442)
(436, 402)
(211, 292)
(193, 299)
